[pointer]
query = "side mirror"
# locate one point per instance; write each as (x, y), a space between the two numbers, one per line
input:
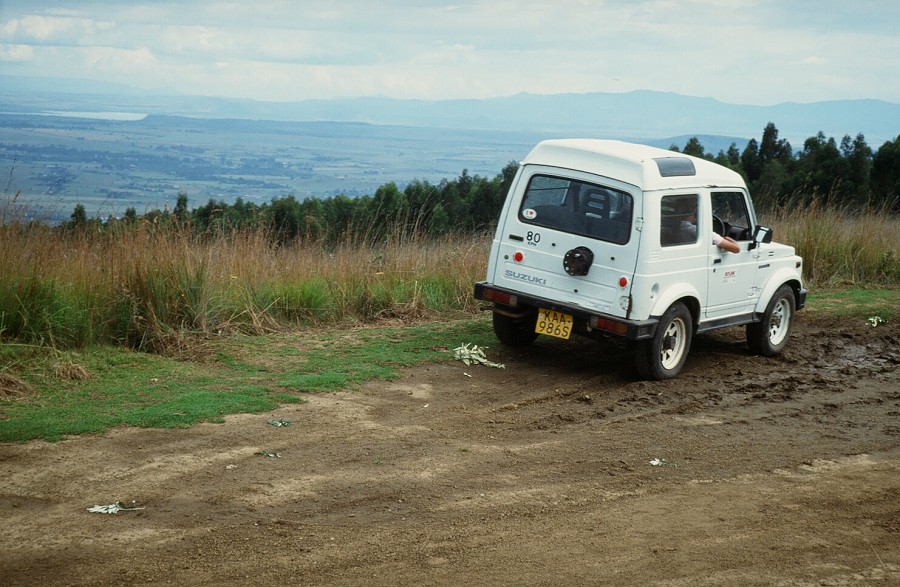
(761, 234)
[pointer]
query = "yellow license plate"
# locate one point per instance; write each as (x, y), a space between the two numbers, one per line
(553, 323)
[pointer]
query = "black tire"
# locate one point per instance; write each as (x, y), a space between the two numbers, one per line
(664, 355)
(769, 336)
(515, 332)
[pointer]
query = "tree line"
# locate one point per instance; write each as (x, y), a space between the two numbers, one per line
(846, 174)
(467, 204)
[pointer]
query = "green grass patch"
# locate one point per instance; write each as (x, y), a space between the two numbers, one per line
(100, 388)
(854, 303)
(343, 358)
(91, 391)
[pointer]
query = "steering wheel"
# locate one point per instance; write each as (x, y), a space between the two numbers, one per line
(718, 226)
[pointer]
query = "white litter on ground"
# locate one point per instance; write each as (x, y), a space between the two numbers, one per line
(875, 321)
(113, 508)
(474, 355)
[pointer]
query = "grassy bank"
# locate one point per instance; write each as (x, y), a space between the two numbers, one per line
(146, 287)
(161, 287)
(840, 246)
(49, 394)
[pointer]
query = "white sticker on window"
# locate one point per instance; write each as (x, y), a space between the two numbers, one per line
(529, 214)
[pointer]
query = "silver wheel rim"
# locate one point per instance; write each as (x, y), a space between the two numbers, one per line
(673, 344)
(779, 322)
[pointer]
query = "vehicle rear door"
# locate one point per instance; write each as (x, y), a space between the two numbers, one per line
(555, 213)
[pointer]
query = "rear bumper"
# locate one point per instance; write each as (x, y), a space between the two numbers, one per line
(586, 321)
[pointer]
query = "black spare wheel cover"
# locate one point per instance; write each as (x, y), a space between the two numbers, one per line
(578, 260)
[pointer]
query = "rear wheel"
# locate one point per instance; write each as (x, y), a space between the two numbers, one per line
(515, 332)
(664, 355)
(769, 336)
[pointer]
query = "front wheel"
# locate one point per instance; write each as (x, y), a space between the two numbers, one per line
(664, 355)
(769, 336)
(515, 332)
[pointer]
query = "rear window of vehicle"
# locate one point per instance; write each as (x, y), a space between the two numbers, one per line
(578, 207)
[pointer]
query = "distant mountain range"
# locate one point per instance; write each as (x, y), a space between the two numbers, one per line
(640, 115)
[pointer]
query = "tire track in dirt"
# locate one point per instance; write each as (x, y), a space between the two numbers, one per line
(771, 471)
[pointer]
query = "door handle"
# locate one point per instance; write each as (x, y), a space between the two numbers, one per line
(719, 260)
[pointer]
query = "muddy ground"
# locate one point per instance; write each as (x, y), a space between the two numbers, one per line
(781, 471)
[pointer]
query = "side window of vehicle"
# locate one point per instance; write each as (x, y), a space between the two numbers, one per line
(678, 219)
(578, 207)
(730, 215)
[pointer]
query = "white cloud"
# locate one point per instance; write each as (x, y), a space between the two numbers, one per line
(813, 60)
(118, 61)
(750, 51)
(19, 53)
(56, 29)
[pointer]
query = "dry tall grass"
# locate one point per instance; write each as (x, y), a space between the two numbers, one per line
(841, 246)
(149, 285)
(145, 285)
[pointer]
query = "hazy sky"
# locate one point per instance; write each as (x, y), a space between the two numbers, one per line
(740, 51)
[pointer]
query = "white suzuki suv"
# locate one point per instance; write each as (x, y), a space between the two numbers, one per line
(606, 238)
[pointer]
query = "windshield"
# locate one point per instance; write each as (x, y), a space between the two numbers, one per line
(578, 207)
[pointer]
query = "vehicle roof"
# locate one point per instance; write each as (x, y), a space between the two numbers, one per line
(631, 163)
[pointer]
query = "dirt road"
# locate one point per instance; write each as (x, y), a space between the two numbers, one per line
(558, 470)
